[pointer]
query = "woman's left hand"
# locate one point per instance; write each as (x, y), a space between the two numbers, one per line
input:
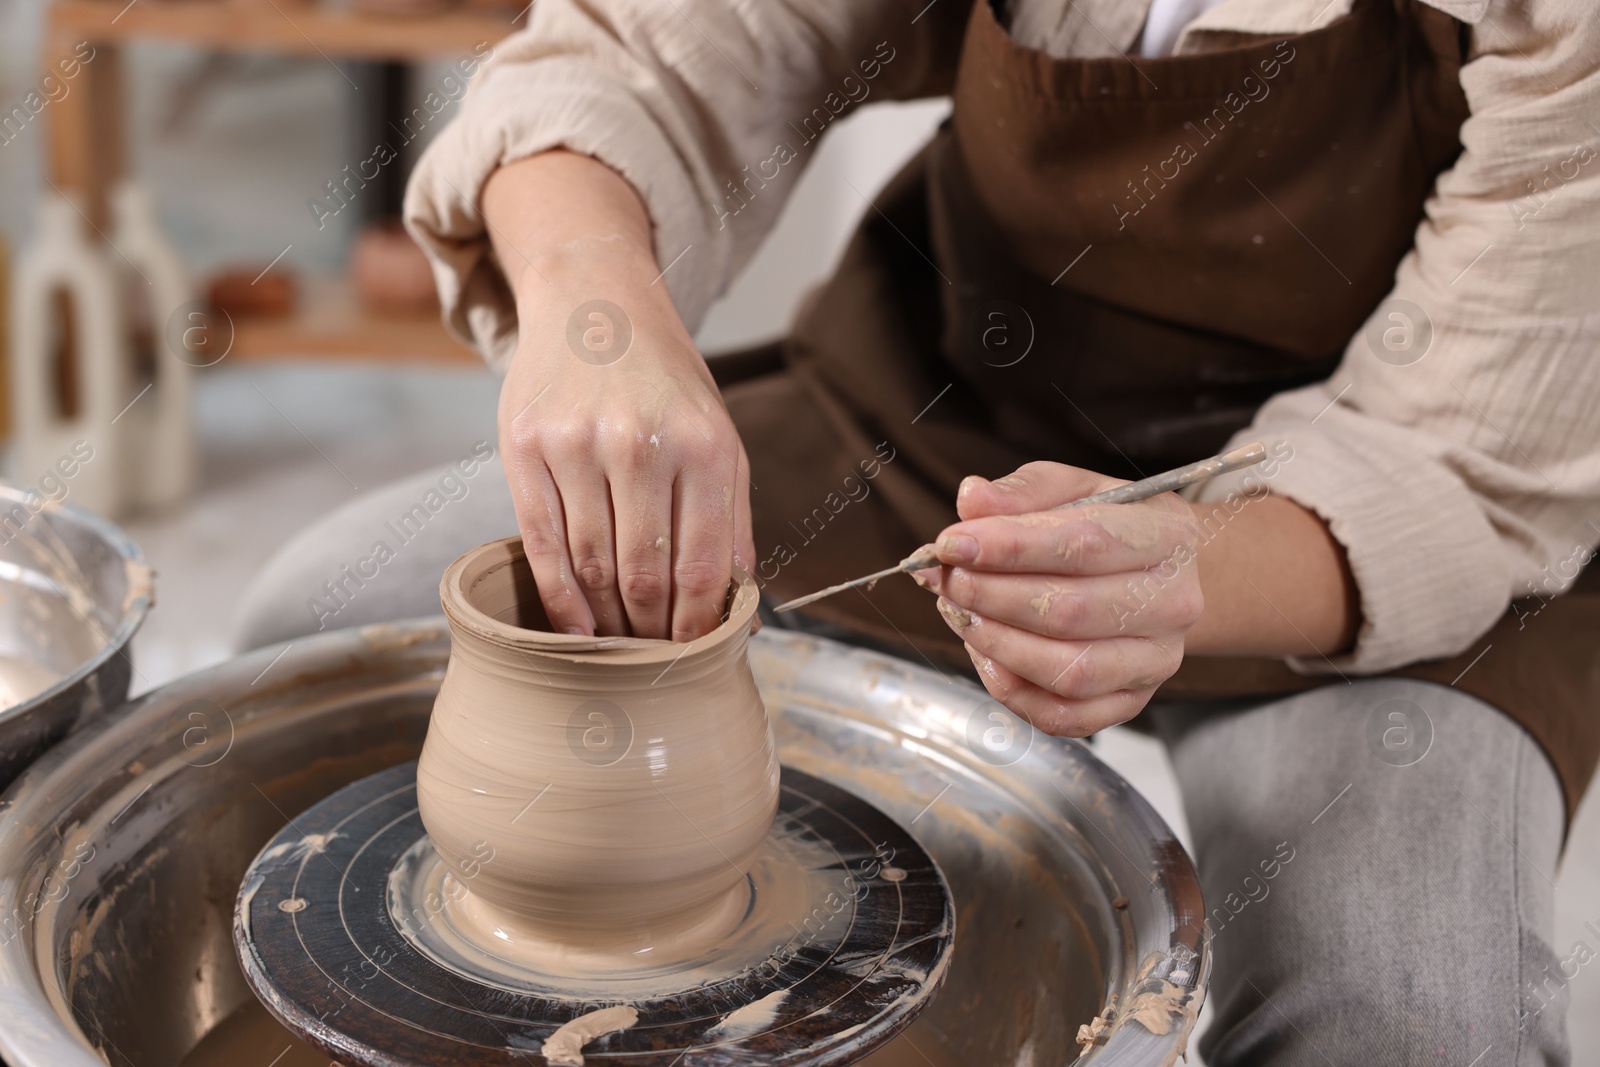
(1072, 617)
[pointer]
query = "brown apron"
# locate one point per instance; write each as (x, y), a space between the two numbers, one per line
(1112, 263)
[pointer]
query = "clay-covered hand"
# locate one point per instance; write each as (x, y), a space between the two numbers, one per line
(629, 479)
(1072, 617)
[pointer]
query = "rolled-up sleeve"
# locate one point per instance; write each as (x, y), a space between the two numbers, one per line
(1455, 453)
(707, 107)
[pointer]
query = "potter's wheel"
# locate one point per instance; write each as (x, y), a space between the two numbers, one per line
(343, 936)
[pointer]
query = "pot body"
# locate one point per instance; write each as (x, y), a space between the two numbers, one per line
(608, 794)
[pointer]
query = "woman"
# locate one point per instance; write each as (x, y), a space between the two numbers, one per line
(1143, 233)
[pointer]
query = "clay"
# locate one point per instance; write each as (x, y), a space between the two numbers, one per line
(1137, 528)
(1157, 1009)
(1090, 1033)
(564, 1048)
(790, 878)
(1042, 602)
(954, 614)
(599, 800)
(752, 1018)
(1157, 1005)
(250, 1035)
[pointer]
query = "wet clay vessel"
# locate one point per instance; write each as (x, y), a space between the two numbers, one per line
(597, 801)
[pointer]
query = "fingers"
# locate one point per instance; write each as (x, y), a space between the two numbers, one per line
(1138, 604)
(1075, 670)
(586, 503)
(702, 553)
(542, 522)
(1031, 487)
(641, 497)
(1093, 539)
(1051, 713)
(744, 537)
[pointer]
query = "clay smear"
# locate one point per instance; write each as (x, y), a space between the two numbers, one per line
(752, 1018)
(954, 614)
(1157, 1005)
(565, 1046)
(601, 800)
(797, 900)
(1137, 528)
(1041, 603)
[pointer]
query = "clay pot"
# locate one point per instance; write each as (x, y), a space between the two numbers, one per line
(607, 794)
(246, 292)
(391, 273)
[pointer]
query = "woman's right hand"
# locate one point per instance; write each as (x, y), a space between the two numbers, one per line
(630, 485)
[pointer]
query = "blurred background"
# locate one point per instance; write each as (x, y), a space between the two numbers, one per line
(207, 152)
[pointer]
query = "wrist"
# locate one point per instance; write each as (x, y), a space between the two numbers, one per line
(587, 267)
(1275, 581)
(567, 219)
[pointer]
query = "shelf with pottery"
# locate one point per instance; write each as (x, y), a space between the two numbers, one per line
(82, 50)
(331, 322)
(283, 26)
(89, 330)
(92, 401)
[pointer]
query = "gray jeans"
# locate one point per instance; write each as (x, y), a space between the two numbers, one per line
(1378, 857)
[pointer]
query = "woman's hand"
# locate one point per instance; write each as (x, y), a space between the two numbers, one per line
(628, 477)
(1073, 617)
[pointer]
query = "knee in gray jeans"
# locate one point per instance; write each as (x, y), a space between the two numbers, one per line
(379, 557)
(1378, 860)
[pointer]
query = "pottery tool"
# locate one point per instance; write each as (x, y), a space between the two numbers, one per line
(344, 934)
(1155, 485)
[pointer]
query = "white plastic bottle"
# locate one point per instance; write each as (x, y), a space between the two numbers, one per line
(69, 365)
(160, 426)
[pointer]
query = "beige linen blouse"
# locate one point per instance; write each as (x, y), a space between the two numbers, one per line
(1455, 481)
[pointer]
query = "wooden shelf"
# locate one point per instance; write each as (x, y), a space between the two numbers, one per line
(86, 133)
(280, 26)
(331, 324)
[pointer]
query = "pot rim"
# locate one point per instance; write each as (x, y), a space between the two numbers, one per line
(136, 601)
(473, 566)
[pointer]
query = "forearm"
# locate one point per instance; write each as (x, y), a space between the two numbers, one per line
(559, 220)
(1275, 582)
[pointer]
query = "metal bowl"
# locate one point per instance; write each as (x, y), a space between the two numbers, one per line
(123, 848)
(73, 591)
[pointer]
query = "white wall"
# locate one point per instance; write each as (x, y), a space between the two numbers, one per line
(865, 149)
